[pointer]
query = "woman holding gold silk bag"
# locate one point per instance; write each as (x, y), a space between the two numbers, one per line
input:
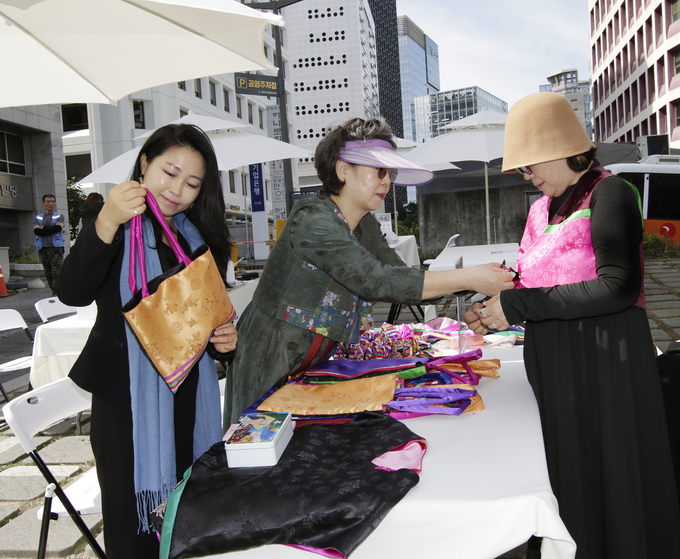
(143, 436)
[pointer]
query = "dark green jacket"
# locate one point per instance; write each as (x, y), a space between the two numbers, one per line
(316, 259)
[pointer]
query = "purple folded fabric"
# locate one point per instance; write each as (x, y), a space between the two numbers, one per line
(352, 369)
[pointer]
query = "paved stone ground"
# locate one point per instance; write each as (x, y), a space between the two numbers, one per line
(69, 455)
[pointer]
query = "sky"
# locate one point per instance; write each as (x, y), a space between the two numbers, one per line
(506, 47)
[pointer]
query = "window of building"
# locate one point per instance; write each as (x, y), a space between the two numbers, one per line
(239, 107)
(664, 203)
(675, 10)
(225, 91)
(250, 113)
(197, 88)
(183, 112)
(213, 92)
(12, 154)
(74, 117)
(182, 85)
(232, 182)
(244, 184)
(78, 166)
(138, 112)
(260, 114)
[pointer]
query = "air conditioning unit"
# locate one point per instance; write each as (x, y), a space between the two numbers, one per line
(652, 145)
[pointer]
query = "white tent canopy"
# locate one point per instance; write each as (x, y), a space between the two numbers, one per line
(233, 149)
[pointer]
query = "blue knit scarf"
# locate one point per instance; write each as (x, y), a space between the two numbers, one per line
(153, 429)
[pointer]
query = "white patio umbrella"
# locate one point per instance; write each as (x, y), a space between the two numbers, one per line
(467, 142)
(99, 51)
(205, 123)
(233, 149)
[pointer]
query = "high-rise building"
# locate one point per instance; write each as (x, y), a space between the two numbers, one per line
(635, 69)
(333, 70)
(567, 84)
(387, 50)
(435, 111)
(419, 69)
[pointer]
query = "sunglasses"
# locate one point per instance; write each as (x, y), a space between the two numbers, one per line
(382, 171)
(524, 171)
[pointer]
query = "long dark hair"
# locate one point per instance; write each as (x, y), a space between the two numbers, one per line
(207, 213)
(328, 151)
(92, 197)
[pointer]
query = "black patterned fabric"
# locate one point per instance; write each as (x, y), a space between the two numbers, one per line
(323, 493)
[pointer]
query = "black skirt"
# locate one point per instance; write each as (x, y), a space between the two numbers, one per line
(598, 390)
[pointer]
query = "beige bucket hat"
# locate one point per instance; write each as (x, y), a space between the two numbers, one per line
(542, 127)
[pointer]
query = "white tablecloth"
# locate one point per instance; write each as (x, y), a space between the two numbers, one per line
(56, 347)
(408, 248)
(484, 488)
(476, 255)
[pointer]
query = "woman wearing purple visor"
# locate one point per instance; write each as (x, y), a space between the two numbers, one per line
(330, 261)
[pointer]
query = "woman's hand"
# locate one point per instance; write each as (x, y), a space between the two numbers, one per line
(224, 337)
(123, 202)
(492, 315)
(490, 279)
(473, 318)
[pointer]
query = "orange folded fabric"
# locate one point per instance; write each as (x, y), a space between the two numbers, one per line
(351, 396)
(482, 368)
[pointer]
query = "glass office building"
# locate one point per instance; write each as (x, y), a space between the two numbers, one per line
(419, 68)
(435, 111)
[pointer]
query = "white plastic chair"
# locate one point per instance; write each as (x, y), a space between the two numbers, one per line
(10, 319)
(51, 306)
(452, 240)
(33, 412)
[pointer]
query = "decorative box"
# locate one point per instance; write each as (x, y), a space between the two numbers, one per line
(259, 439)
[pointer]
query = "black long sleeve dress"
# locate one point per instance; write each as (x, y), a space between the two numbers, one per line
(590, 359)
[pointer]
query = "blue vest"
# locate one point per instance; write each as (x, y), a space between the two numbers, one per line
(58, 238)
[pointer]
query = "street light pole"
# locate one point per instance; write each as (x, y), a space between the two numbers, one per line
(276, 6)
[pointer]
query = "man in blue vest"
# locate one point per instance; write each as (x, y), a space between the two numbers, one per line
(49, 239)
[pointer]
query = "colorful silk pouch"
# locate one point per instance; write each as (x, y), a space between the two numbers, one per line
(173, 316)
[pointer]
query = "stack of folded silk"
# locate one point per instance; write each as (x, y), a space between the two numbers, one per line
(338, 390)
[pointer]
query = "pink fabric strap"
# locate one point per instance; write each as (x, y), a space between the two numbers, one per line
(137, 245)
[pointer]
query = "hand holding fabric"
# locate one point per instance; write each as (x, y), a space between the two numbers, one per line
(224, 338)
(473, 319)
(492, 315)
(491, 279)
(122, 203)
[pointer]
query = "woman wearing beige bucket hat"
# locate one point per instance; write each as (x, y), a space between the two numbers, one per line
(330, 261)
(588, 349)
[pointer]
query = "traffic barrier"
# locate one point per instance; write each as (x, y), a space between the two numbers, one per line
(3, 287)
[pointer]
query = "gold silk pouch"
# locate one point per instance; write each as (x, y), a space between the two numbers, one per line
(173, 316)
(350, 396)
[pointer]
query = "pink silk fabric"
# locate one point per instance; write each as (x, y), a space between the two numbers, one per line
(557, 257)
